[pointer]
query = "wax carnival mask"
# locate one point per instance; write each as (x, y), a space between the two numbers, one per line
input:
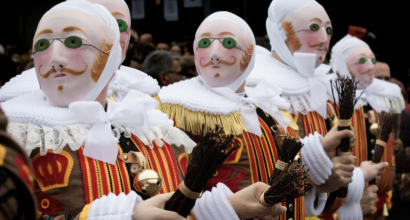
(361, 63)
(309, 30)
(71, 49)
(224, 51)
(119, 9)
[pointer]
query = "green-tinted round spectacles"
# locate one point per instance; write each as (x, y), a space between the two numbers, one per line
(363, 60)
(72, 42)
(122, 25)
(228, 43)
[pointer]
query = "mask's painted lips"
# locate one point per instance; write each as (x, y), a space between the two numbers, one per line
(216, 67)
(60, 75)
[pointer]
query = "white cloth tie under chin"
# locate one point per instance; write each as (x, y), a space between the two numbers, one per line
(319, 85)
(263, 95)
(130, 112)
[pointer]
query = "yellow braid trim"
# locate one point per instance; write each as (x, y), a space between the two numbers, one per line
(193, 121)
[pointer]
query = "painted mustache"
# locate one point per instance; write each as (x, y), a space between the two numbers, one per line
(319, 45)
(67, 70)
(224, 62)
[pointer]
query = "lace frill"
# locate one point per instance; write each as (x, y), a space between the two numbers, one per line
(56, 138)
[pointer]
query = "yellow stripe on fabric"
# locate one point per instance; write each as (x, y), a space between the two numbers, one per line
(119, 177)
(99, 181)
(90, 185)
(174, 169)
(126, 178)
(167, 171)
(143, 149)
(84, 212)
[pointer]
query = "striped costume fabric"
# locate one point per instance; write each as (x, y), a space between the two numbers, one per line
(161, 159)
(102, 178)
(263, 155)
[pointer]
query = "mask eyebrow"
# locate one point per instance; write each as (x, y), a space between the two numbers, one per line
(205, 35)
(117, 13)
(224, 33)
(73, 28)
(45, 31)
(328, 23)
(316, 19)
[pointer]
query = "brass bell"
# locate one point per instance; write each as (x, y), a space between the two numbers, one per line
(374, 128)
(148, 182)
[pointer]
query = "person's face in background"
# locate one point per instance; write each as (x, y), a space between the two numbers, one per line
(382, 71)
(70, 52)
(176, 50)
(121, 13)
(162, 46)
(361, 65)
(172, 76)
(223, 52)
(309, 30)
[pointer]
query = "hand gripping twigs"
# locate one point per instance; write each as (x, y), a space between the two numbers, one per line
(205, 159)
(346, 94)
(388, 123)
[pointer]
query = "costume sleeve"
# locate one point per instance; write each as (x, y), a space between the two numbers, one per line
(310, 209)
(315, 159)
(351, 208)
(215, 205)
(111, 207)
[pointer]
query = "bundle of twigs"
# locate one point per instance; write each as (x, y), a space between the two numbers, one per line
(205, 159)
(346, 93)
(388, 123)
(288, 151)
(290, 184)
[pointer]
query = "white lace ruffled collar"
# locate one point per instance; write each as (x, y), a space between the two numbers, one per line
(196, 97)
(126, 79)
(36, 123)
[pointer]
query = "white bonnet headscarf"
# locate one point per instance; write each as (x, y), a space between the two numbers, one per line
(114, 59)
(223, 15)
(277, 12)
(341, 50)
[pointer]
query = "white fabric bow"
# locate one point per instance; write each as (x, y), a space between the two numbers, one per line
(130, 112)
(318, 82)
(264, 95)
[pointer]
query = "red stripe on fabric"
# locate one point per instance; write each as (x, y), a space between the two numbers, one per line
(115, 178)
(94, 182)
(125, 180)
(104, 178)
(269, 136)
(259, 154)
(162, 166)
(251, 158)
(85, 179)
(171, 160)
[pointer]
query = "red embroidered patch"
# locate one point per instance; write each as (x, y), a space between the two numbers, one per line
(48, 205)
(52, 170)
(25, 172)
(224, 173)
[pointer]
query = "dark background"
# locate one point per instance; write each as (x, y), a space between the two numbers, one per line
(388, 20)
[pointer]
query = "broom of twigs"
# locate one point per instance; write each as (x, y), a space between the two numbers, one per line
(388, 123)
(291, 184)
(288, 182)
(288, 151)
(346, 93)
(205, 159)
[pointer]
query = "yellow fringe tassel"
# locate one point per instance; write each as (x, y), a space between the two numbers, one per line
(156, 97)
(198, 123)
